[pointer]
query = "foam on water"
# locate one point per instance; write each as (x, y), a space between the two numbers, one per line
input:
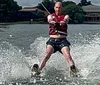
(39, 47)
(86, 57)
(13, 65)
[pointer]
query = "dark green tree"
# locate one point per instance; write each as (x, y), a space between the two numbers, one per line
(75, 12)
(8, 8)
(59, 0)
(84, 3)
(65, 3)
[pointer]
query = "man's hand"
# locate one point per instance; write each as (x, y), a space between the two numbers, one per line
(51, 19)
(62, 23)
(66, 18)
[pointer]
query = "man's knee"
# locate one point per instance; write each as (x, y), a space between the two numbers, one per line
(65, 49)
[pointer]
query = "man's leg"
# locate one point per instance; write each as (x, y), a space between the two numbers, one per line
(49, 51)
(66, 52)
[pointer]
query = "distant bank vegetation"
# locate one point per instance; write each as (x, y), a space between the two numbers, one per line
(10, 8)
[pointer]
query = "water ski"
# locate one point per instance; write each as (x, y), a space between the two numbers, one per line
(35, 72)
(74, 71)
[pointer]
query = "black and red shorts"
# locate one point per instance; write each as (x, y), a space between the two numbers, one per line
(58, 43)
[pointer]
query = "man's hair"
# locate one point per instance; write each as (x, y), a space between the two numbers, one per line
(58, 3)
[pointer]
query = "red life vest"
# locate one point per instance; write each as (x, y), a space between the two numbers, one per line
(61, 28)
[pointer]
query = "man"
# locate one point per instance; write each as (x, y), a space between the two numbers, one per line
(57, 41)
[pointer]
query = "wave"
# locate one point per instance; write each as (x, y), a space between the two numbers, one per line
(15, 65)
(86, 56)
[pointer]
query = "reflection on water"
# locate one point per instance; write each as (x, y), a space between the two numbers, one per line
(21, 47)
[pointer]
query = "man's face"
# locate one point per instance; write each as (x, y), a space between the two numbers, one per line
(58, 8)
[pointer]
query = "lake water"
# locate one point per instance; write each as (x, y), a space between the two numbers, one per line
(22, 45)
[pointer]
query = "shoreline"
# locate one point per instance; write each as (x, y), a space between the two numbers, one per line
(23, 22)
(38, 22)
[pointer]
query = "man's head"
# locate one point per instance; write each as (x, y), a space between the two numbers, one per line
(58, 8)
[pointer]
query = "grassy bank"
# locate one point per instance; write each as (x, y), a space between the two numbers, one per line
(24, 22)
